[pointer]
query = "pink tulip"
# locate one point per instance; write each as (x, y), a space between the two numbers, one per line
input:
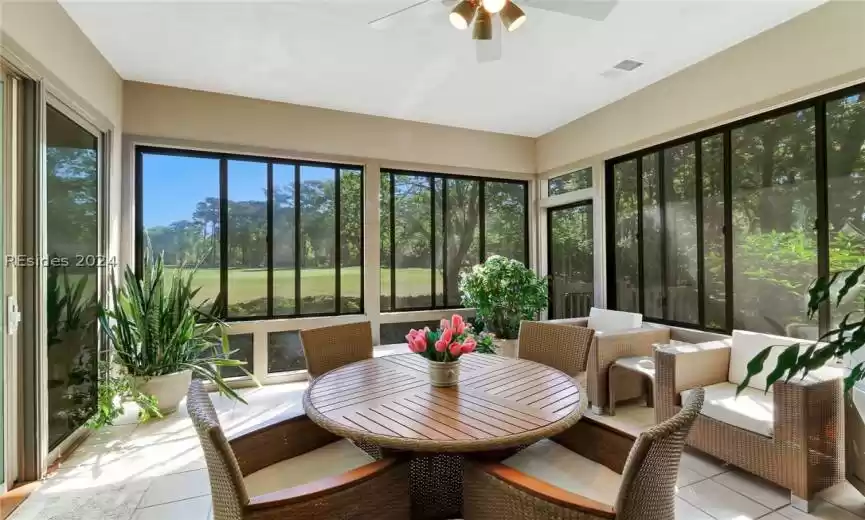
(456, 349)
(417, 345)
(458, 323)
(469, 345)
(447, 336)
(444, 324)
(441, 346)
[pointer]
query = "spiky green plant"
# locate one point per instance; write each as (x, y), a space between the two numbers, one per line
(155, 328)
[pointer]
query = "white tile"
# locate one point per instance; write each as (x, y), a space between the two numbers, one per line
(845, 496)
(702, 463)
(685, 511)
(721, 502)
(687, 477)
(755, 488)
(94, 454)
(191, 509)
(822, 511)
(179, 486)
(773, 516)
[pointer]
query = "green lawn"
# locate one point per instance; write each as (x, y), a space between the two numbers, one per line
(250, 284)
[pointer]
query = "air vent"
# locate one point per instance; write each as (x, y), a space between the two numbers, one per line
(628, 65)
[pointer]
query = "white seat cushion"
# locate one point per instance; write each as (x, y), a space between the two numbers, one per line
(752, 410)
(605, 320)
(745, 346)
(330, 460)
(554, 464)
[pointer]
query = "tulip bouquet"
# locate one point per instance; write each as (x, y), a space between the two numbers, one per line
(453, 339)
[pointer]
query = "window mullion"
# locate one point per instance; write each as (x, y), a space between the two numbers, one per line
(641, 278)
(432, 240)
(728, 229)
(223, 234)
(336, 243)
(822, 224)
(297, 256)
(482, 221)
(269, 239)
(701, 277)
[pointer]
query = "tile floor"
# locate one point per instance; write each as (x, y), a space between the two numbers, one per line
(156, 471)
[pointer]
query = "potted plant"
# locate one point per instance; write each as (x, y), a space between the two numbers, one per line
(503, 292)
(442, 348)
(159, 338)
(836, 347)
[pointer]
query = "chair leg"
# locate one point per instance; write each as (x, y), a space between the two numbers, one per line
(805, 505)
(650, 392)
(611, 397)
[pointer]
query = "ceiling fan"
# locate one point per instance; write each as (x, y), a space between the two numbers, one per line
(479, 14)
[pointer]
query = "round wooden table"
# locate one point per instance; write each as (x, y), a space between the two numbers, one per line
(499, 403)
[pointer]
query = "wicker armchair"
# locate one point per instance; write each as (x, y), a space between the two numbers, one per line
(793, 435)
(327, 348)
(296, 469)
(563, 347)
(586, 489)
(607, 347)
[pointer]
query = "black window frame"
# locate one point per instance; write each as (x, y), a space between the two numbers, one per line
(224, 158)
(444, 177)
(818, 105)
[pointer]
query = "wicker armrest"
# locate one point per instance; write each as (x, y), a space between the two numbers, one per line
(283, 439)
(546, 491)
(579, 322)
(324, 486)
(683, 367)
(610, 346)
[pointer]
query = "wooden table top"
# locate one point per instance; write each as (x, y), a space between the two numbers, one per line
(499, 403)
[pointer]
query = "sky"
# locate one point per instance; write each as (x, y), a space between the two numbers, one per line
(174, 185)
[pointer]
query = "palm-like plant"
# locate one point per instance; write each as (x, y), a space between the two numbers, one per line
(154, 328)
(839, 343)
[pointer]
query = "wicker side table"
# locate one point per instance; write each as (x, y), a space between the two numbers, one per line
(643, 365)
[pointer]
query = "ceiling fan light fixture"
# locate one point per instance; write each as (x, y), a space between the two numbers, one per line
(512, 16)
(483, 27)
(461, 15)
(494, 6)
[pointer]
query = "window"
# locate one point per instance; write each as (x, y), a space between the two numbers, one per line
(74, 236)
(274, 238)
(738, 221)
(434, 226)
(573, 181)
(571, 260)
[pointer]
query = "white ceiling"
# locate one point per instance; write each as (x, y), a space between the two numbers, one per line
(322, 53)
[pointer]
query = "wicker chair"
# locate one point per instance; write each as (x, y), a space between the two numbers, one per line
(607, 347)
(586, 489)
(327, 348)
(296, 469)
(792, 436)
(563, 347)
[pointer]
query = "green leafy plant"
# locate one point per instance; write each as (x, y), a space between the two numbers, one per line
(154, 328)
(503, 292)
(114, 387)
(840, 342)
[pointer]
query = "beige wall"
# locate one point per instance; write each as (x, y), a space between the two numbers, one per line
(167, 112)
(40, 33)
(818, 51)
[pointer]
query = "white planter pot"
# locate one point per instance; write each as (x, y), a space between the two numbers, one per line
(507, 347)
(444, 374)
(168, 389)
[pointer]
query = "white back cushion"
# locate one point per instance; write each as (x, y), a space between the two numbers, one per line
(605, 320)
(745, 346)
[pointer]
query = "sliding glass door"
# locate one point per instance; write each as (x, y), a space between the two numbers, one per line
(74, 265)
(571, 260)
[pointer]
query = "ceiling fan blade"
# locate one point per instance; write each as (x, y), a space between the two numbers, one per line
(490, 50)
(592, 9)
(428, 6)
